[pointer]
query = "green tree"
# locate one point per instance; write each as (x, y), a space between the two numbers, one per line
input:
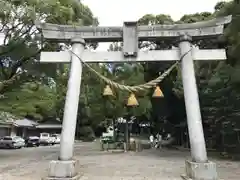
(96, 110)
(215, 79)
(218, 82)
(127, 74)
(33, 99)
(19, 54)
(22, 43)
(161, 108)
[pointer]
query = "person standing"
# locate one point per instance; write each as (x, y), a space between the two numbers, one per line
(151, 139)
(158, 140)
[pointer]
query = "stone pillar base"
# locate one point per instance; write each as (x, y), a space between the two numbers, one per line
(200, 171)
(63, 170)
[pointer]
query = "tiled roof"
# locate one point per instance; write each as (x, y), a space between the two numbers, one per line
(49, 126)
(9, 119)
(25, 123)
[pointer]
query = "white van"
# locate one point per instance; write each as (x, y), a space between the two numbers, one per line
(46, 139)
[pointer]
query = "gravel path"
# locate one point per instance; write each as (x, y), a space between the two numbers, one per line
(96, 165)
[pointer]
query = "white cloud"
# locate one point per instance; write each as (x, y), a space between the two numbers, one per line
(115, 12)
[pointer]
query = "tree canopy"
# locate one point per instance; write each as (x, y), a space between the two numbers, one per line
(218, 82)
(22, 43)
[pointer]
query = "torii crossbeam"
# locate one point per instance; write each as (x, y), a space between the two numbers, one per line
(143, 56)
(197, 168)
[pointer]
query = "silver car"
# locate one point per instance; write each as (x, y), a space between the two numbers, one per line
(14, 142)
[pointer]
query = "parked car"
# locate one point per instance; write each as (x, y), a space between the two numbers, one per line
(32, 141)
(57, 138)
(46, 139)
(13, 142)
(52, 140)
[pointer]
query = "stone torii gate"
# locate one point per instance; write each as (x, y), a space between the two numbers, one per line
(198, 167)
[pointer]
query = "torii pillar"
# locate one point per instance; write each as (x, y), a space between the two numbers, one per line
(65, 168)
(198, 168)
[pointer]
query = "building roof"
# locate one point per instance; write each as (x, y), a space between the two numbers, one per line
(25, 123)
(49, 126)
(50, 121)
(8, 119)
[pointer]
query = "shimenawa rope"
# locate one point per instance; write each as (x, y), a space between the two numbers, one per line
(136, 88)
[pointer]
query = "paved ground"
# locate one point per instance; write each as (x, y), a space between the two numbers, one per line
(32, 164)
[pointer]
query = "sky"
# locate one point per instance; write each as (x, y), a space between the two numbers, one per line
(115, 12)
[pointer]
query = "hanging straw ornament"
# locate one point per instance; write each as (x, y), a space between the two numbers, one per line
(132, 101)
(157, 92)
(107, 91)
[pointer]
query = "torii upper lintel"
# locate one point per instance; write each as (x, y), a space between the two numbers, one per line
(63, 33)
